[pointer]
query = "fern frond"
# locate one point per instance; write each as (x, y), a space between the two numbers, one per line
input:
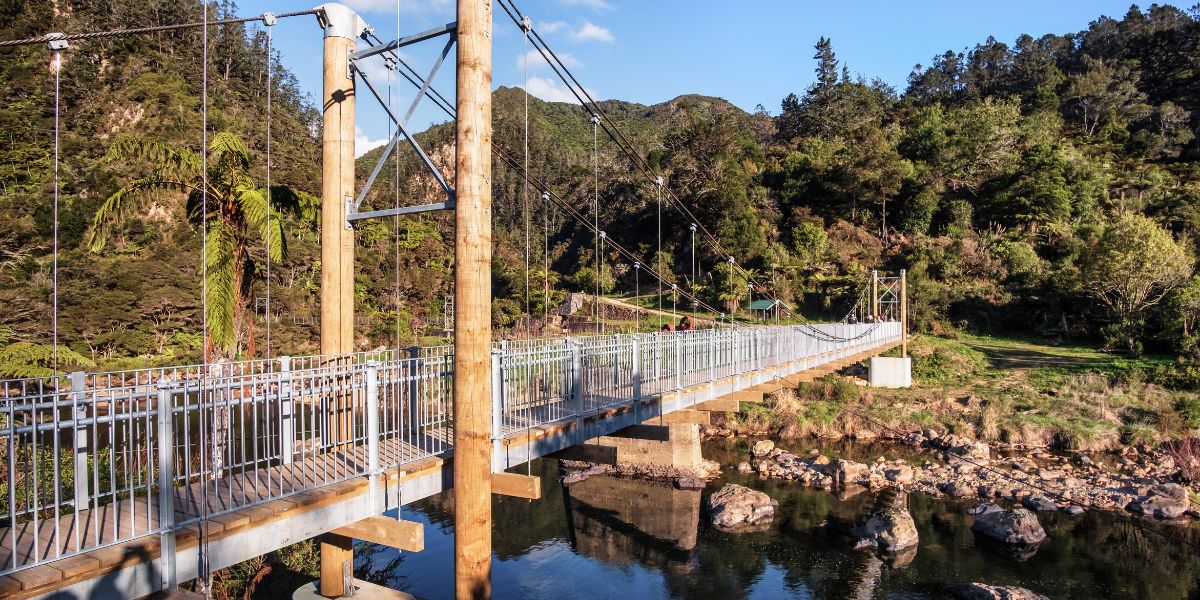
(230, 152)
(115, 208)
(175, 162)
(254, 207)
(304, 205)
(26, 359)
(222, 295)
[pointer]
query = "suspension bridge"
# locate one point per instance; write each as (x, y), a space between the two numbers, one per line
(127, 483)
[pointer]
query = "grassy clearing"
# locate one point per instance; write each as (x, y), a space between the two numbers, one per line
(1007, 390)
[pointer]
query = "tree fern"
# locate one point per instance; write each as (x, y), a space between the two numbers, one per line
(236, 210)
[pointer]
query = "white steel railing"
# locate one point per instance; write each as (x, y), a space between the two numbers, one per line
(93, 460)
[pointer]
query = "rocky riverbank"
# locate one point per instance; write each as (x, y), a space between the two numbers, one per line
(1142, 481)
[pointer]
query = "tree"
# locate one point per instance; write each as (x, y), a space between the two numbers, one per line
(236, 212)
(827, 64)
(1105, 92)
(1133, 266)
(1185, 314)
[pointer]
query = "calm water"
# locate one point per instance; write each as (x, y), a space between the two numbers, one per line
(620, 539)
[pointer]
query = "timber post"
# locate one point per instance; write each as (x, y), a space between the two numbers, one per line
(473, 304)
(342, 27)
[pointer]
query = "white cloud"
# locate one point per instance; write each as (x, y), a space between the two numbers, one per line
(364, 144)
(552, 90)
(592, 32)
(550, 27)
(535, 60)
(596, 5)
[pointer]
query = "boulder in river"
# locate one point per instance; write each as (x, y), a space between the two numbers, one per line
(1018, 527)
(1168, 500)
(982, 591)
(1038, 503)
(737, 508)
(959, 489)
(845, 472)
(891, 529)
(762, 448)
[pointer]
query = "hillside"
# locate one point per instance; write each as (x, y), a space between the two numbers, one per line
(1005, 178)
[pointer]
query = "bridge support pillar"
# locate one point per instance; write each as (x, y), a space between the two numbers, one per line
(342, 26)
(641, 446)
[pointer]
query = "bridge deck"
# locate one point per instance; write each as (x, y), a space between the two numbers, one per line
(231, 503)
(252, 511)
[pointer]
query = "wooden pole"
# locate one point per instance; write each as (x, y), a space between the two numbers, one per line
(341, 26)
(903, 313)
(473, 305)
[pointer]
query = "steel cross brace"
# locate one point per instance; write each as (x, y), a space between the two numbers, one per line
(352, 206)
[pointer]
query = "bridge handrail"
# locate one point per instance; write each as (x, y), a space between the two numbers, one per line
(98, 451)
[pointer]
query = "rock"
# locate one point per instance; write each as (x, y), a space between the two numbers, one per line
(1039, 503)
(982, 591)
(744, 467)
(1167, 501)
(1018, 526)
(1074, 510)
(736, 507)
(985, 507)
(957, 489)
(689, 483)
(820, 459)
(977, 451)
(762, 448)
(891, 529)
(573, 477)
(899, 474)
(844, 472)
(864, 435)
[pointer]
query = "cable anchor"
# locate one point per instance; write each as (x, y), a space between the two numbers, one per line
(57, 41)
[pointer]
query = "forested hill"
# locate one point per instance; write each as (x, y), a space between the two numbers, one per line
(1049, 186)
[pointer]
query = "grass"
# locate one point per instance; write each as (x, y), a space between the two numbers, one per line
(1013, 390)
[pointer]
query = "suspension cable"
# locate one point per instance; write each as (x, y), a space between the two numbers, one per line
(54, 293)
(588, 102)
(440, 101)
(525, 25)
(202, 553)
(91, 35)
(596, 216)
(658, 186)
(269, 21)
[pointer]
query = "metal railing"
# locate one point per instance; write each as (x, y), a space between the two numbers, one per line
(99, 459)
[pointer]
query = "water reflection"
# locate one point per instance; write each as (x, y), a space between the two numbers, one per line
(614, 538)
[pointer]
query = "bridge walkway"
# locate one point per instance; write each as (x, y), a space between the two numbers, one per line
(549, 396)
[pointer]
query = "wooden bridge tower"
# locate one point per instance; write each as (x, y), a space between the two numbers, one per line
(471, 198)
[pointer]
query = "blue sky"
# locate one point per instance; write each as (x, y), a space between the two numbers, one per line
(649, 51)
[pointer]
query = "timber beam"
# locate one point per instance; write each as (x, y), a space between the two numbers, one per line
(394, 533)
(723, 404)
(516, 485)
(698, 417)
(751, 396)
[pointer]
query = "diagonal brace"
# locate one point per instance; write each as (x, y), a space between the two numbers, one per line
(391, 145)
(404, 130)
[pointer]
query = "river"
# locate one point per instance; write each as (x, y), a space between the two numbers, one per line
(620, 539)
